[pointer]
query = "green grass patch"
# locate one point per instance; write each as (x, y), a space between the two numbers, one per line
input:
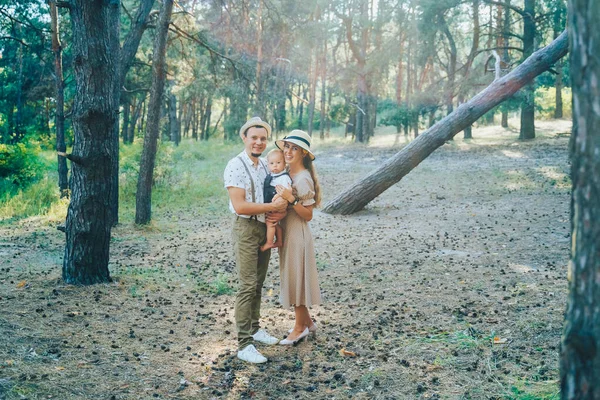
(546, 390)
(221, 286)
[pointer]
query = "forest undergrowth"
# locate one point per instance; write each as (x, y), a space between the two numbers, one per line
(451, 285)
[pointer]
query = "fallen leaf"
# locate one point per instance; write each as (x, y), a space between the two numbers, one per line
(344, 352)
(9, 363)
(21, 284)
(433, 367)
(60, 368)
(499, 340)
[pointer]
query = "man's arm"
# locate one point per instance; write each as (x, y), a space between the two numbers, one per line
(243, 207)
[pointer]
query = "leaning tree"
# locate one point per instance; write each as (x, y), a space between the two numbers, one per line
(95, 25)
(580, 346)
(364, 191)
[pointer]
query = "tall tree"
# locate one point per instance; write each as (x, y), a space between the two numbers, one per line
(127, 56)
(143, 197)
(557, 26)
(59, 114)
(95, 26)
(527, 130)
(580, 345)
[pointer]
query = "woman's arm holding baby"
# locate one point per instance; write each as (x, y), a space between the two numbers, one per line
(305, 212)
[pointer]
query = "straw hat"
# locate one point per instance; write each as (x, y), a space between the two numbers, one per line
(300, 139)
(255, 122)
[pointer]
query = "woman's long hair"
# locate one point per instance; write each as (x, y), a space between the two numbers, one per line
(308, 164)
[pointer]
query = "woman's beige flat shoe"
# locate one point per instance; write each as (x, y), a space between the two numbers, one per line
(288, 342)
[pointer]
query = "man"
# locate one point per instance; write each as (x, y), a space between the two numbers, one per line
(244, 179)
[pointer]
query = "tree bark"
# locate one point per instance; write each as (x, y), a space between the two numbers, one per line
(59, 117)
(143, 197)
(506, 56)
(451, 65)
(207, 117)
(395, 168)
(558, 85)
(527, 130)
(174, 131)
(580, 344)
(95, 27)
(126, 112)
(312, 91)
(323, 116)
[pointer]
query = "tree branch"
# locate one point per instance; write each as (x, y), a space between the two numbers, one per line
(509, 6)
(15, 39)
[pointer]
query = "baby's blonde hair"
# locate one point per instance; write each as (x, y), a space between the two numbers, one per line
(274, 151)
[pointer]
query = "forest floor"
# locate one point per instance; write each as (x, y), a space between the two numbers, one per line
(450, 285)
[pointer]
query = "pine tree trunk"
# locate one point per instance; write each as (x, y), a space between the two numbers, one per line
(361, 193)
(137, 109)
(208, 115)
(143, 197)
(59, 117)
(95, 27)
(301, 107)
(505, 55)
(580, 345)
(194, 121)
(323, 71)
(125, 128)
(312, 91)
(173, 121)
(527, 130)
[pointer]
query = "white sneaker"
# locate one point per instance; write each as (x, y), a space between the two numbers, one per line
(263, 337)
(251, 355)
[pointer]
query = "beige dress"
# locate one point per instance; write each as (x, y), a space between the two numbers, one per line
(297, 263)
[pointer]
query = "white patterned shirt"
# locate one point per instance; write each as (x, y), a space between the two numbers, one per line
(235, 175)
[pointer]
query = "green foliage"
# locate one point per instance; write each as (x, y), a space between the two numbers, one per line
(38, 199)
(19, 164)
(393, 114)
(545, 101)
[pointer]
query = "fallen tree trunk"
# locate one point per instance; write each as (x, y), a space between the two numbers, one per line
(395, 168)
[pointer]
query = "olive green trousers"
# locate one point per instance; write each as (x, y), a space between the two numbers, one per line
(252, 264)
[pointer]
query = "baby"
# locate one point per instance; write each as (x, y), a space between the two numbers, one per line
(278, 176)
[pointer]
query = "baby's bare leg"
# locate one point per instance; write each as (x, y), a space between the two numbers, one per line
(270, 237)
(279, 236)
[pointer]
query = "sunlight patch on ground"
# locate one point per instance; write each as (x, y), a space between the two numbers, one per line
(513, 154)
(555, 177)
(522, 268)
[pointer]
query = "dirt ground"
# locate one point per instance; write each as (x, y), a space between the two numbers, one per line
(451, 285)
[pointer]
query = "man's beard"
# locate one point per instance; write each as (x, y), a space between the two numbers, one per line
(255, 155)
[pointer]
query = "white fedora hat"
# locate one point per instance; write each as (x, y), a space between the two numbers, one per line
(255, 122)
(299, 138)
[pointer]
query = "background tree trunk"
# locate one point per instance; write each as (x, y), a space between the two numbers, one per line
(143, 197)
(126, 111)
(558, 25)
(127, 54)
(580, 345)
(95, 27)
(527, 130)
(174, 131)
(395, 168)
(505, 53)
(59, 118)
(312, 91)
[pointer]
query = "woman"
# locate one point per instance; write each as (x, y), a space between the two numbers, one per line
(298, 267)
